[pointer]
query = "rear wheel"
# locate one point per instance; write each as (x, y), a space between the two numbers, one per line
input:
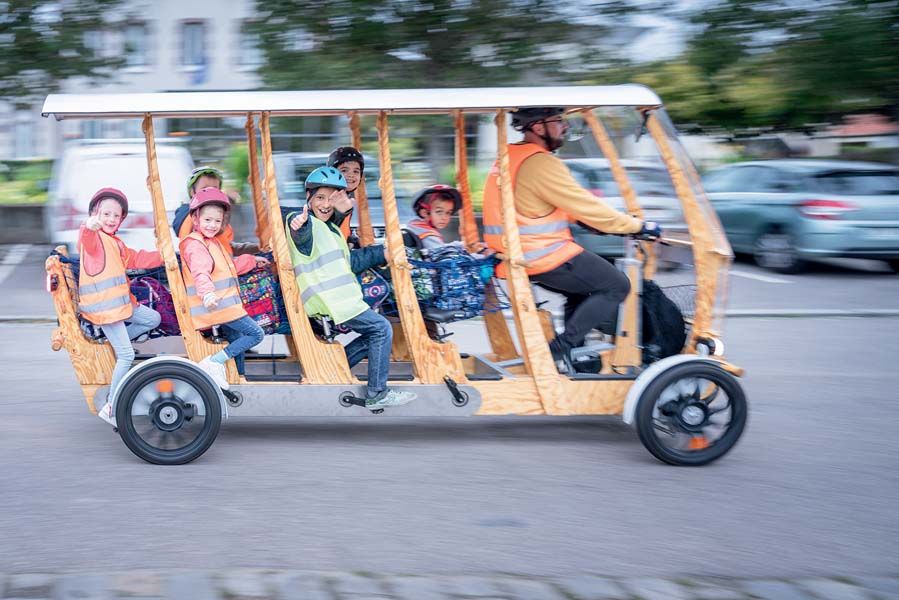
(691, 414)
(775, 250)
(168, 414)
(894, 265)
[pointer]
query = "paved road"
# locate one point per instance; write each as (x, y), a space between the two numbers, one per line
(811, 490)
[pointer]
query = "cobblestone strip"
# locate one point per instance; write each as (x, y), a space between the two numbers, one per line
(274, 584)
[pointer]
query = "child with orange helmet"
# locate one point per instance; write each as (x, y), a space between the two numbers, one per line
(210, 275)
(105, 297)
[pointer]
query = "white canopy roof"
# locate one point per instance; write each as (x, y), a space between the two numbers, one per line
(330, 102)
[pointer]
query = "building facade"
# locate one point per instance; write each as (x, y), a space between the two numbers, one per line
(168, 46)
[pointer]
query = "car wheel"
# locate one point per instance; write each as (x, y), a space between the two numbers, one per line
(894, 265)
(776, 251)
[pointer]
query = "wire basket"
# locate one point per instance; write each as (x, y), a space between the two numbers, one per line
(684, 297)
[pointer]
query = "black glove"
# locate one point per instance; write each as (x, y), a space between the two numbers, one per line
(651, 231)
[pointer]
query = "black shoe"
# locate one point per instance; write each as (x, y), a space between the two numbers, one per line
(560, 352)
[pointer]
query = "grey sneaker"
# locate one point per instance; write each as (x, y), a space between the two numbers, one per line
(390, 398)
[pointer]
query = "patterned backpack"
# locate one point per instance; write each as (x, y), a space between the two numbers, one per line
(150, 292)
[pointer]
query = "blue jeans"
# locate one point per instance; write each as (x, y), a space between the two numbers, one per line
(242, 334)
(374, 341)
(120, 334)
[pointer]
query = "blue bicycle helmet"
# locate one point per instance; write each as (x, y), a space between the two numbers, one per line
(325, 177)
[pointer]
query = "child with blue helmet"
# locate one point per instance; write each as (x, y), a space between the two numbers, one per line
(326, 274)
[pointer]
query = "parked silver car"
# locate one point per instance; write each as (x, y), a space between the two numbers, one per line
(654, 190)
(785, 212)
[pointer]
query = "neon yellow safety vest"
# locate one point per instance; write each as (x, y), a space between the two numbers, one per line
(328, 286)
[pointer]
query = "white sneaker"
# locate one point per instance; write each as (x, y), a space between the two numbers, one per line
(216, 371)
(107, 415)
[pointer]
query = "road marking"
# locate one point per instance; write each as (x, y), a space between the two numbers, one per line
(765, 278)
(15, 255)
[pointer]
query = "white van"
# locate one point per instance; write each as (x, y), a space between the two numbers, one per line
(85, 167)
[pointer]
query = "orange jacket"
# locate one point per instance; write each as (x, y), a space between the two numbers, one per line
(546, 242)
(224, 280)
(103, 288)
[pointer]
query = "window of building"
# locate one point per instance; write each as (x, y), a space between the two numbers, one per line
(137, 45)
(193, 44)
(250, 52)
(24, 134)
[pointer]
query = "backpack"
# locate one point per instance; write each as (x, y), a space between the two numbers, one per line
(150, 292)
(664, 329)
(261, 297)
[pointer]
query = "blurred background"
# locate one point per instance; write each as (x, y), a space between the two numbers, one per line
(741, 79)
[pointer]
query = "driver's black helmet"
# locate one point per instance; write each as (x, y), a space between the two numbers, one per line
(525, 117)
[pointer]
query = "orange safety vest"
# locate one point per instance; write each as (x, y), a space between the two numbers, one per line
(546, 242)
(225, 237)
(105, 297)
(224, 278)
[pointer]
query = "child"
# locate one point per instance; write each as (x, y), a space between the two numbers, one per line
(351, 165)
(203, 177)
(210, 275)
(435, 207)
(326, 269)
(104, 295)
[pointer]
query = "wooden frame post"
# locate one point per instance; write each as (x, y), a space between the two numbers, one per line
(263, 223)
(321, 362)
(431, 360)
(709, 257)
(497, 329)
(366, 234)
(627, 353)
(534, 348)
(196, 345)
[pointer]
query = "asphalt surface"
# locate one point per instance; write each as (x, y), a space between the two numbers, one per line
(811, 489)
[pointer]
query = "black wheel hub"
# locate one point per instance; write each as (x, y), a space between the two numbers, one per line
(170, 413)
(686, 413)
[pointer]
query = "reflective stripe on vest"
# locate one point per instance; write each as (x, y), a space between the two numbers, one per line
(224, 279)
(105, 297)
(327, 285)
(422, 229)
(546, 242)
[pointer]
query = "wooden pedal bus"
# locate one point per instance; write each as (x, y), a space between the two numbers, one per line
(688, 409)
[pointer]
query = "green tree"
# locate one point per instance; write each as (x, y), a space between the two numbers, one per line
(438, 43)
(43, 43)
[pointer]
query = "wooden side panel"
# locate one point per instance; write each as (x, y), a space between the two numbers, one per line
(432, 360)
(366, 234)
(509, 397)
(521, 397)
(196, 345)
(322, 362)
(596, 397)
(263, 223)
(501, 341)
(93, 363)
(535, 350)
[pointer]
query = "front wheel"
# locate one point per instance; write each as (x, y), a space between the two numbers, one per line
(168, 414)
(691, 414)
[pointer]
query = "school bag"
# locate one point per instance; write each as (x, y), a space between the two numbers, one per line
(664, 329)
(261, 297)
(150, 292)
